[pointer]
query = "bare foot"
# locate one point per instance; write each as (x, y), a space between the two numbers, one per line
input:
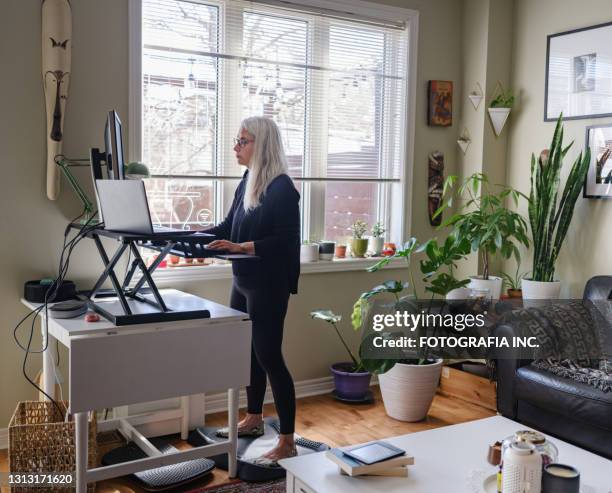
(250, 421)
(284, 448)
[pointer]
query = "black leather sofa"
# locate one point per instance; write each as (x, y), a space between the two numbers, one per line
(572, 411)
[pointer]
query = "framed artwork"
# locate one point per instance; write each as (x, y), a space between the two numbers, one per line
(598, 184)
(578, 79)
(440, 103)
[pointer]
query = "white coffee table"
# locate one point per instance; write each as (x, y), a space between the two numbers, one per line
(444, 460)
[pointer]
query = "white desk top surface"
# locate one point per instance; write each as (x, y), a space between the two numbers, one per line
(445, 458)
(174, 299)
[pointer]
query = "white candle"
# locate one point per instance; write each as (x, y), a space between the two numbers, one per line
(561, 472)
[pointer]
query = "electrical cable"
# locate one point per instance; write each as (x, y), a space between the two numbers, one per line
(50, 295)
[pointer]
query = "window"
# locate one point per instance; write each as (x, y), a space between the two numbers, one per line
(335, 84)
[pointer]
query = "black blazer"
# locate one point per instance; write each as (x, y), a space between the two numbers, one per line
(274, 227)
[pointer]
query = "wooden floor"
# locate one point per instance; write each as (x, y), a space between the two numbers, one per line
(323, 419)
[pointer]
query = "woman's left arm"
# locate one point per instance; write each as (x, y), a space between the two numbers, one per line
(285, 212)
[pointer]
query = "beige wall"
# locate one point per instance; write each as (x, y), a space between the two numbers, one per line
(586, 251)
(31, 226)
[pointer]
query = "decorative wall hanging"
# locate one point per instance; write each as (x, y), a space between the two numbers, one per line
(476, 95)
(598, 183)
(578, 66)
(440, 103)
(435, 185)
(464, 140)
(56, 58)
(500, 106)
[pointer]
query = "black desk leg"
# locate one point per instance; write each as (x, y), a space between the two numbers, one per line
(148, 278)
(109, 272)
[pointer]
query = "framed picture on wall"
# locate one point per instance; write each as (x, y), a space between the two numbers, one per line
(598, 184)
(440, 103)
(578, 79)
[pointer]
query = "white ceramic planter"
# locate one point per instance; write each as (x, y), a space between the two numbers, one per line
(375, 245)
(538, 290)
(498, 118)
(309, 252)
(458, 294)
(493, 284)
(407, 390)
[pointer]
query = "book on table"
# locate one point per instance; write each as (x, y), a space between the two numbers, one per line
(395, 466)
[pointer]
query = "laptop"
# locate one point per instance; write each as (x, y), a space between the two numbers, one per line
(125, 208)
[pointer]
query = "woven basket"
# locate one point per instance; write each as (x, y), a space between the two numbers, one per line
(41, 442)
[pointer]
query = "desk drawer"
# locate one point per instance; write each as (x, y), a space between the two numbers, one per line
(300, 487)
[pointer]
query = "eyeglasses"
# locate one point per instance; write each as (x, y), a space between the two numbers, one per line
(242, 142)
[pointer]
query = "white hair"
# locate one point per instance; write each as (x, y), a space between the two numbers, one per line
(268, 159)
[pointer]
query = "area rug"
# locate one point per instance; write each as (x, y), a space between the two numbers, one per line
(241, 487)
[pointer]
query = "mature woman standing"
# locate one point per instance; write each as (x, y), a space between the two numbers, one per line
(264, 220)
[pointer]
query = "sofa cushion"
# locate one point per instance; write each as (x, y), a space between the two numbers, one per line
(574, 400)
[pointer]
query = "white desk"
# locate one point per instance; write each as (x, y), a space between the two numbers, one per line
(116, 366)
(444, 459)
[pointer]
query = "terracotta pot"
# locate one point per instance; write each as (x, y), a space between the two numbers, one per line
(340, 251)
(515, 293)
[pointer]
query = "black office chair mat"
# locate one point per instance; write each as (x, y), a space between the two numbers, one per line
(250, 448)
(160, 478)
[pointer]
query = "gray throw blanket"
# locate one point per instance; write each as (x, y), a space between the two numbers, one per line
(574, 338)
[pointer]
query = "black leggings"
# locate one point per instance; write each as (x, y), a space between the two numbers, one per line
(267, 307)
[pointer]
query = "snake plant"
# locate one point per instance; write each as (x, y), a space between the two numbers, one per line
(549, 214)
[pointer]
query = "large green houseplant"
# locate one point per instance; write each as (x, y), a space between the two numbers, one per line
(408, 381)
(486, 223)
(550, 214)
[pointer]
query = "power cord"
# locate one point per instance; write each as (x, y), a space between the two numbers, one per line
(50, 295)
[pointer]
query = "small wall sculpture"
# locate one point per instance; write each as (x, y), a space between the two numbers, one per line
(435, 186)
(56, 61)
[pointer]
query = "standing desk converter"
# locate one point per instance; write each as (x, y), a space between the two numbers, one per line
(115, 366)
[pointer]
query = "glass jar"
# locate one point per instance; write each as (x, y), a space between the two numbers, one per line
(544, 447)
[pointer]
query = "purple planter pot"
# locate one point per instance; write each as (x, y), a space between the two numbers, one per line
(349, 385)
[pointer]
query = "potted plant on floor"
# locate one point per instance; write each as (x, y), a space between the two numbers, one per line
(550, 214)
(488, 226)
(359, 244)
(408, 383)
(351, 379)
(377, 239)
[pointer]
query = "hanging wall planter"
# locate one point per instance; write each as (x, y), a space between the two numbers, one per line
(500, 107)
(464, 140)
(498, 118)
(476, 96)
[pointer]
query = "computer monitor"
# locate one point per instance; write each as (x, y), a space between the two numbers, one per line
(113, 141)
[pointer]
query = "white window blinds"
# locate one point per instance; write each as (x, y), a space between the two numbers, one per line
(335, 86)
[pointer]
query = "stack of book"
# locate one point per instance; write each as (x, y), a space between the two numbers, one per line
(394, 466)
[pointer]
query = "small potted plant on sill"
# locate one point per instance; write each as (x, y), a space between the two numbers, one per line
(359, 244)
(514, 283)
(488, 226)
(309, 251)
(499, 109)
(377, 240)
(408, 383)
(351, 379)
(550, 213)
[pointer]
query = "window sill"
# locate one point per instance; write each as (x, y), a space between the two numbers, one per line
(224, 271)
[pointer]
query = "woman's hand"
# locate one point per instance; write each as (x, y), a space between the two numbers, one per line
(226, 245)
